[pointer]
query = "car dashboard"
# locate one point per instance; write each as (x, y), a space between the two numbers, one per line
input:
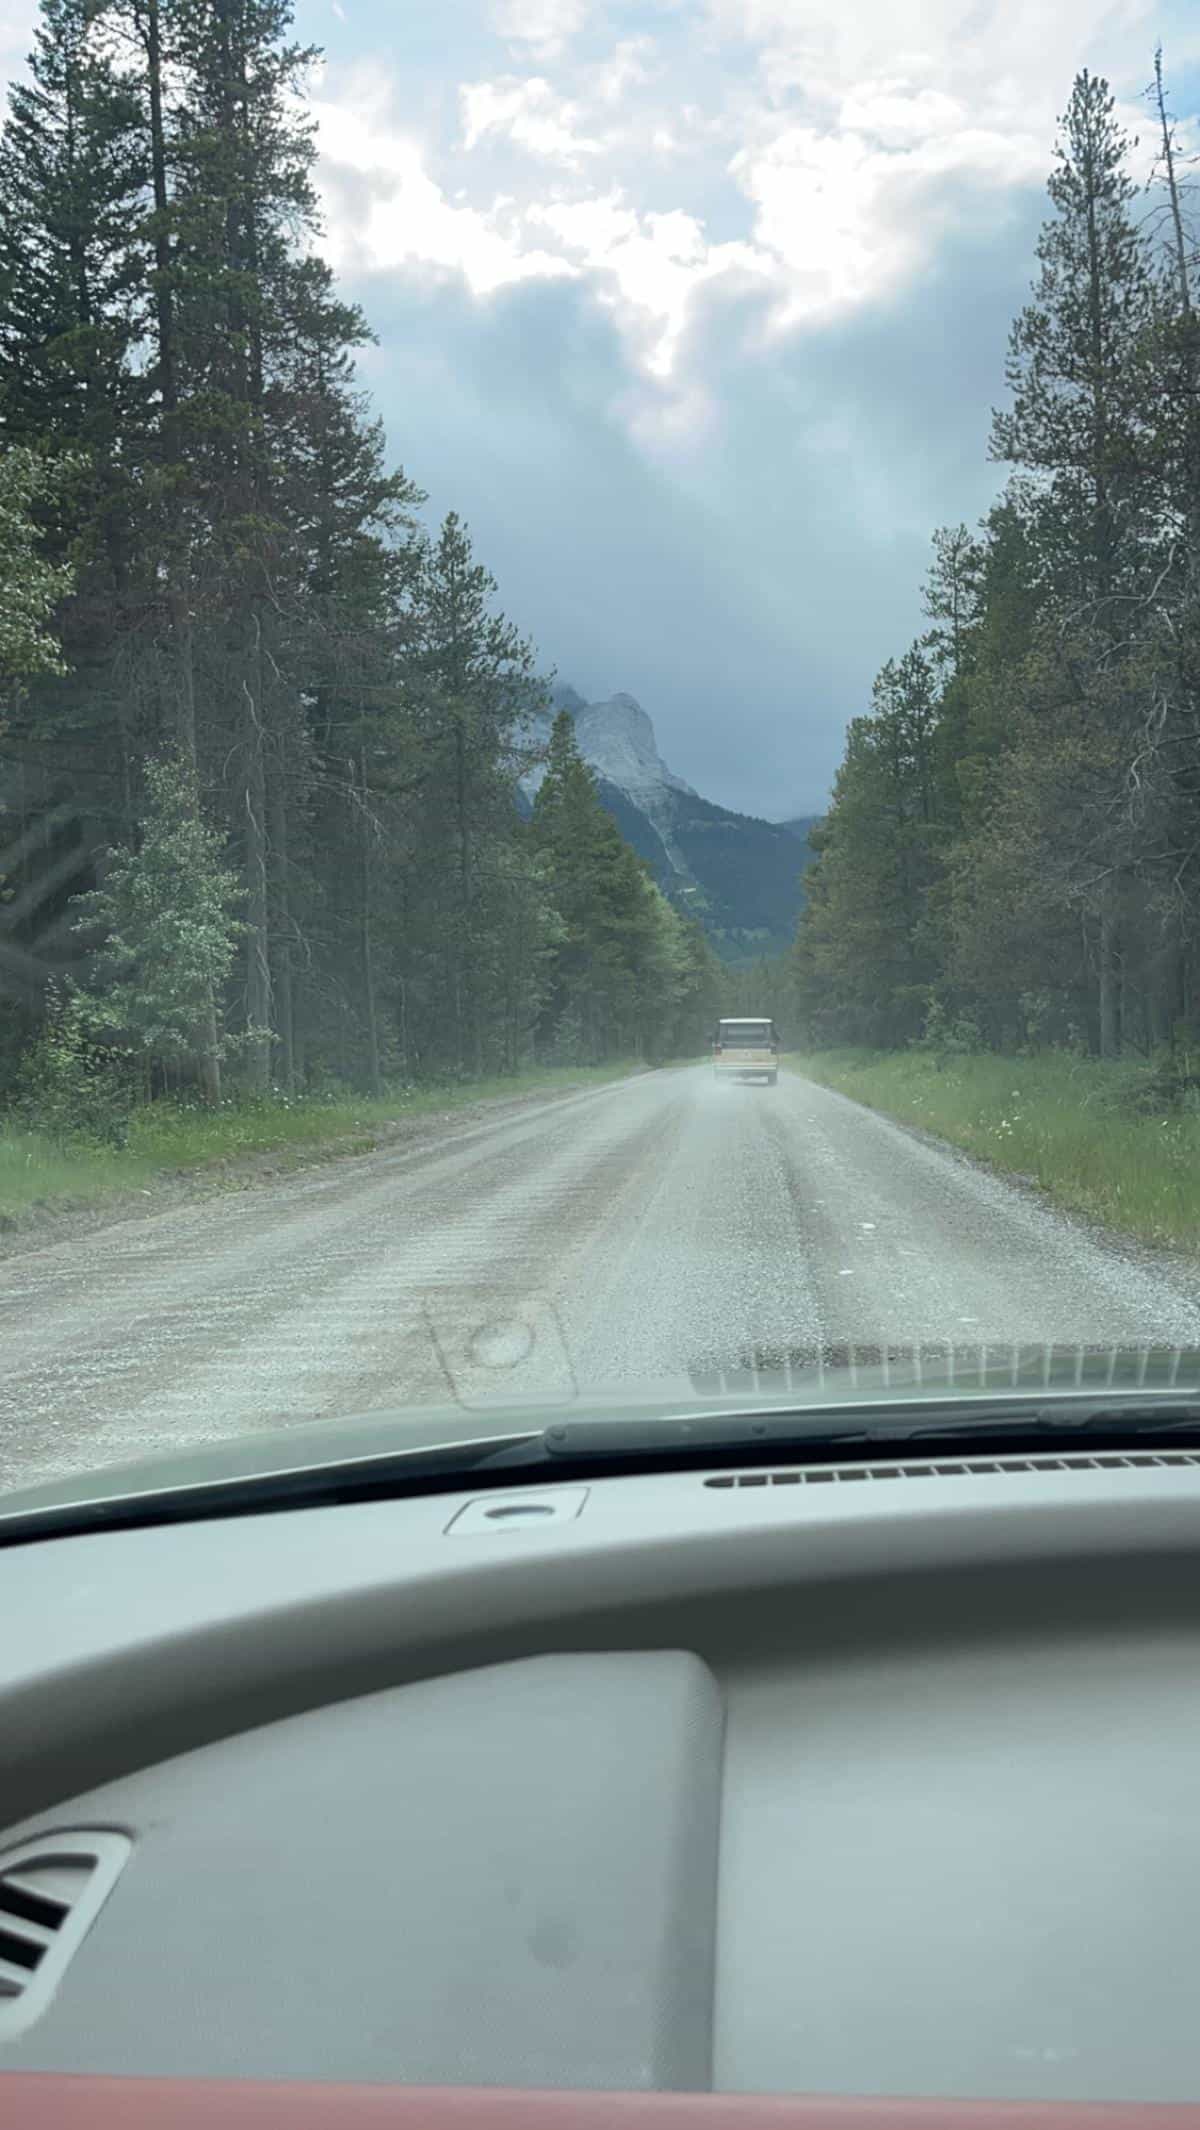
(812, 1791)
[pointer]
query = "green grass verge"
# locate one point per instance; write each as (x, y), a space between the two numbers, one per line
(167, 1138)
(1092, 1135)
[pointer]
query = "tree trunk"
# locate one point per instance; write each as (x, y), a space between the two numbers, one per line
(1162, 988)
(258, 960)
(374, 1076)
(1178, 234)
(467, 1015)
(179, 618)
(163, 299)
(1109, 976)
(282, 976)
(1130, 1020)
(1102, 515)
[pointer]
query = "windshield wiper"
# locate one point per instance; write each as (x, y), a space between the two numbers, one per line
(1043, 1423)
(605, 1447)
(1109, 1423)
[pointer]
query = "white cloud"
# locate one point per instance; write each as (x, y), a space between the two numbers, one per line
(848, 213)
(545, 26)
(649, 266)
(1013, 59)
(629, 66)
(407, 219)
(895, 114)
(529, 114)
(385, 209)
(825, 153)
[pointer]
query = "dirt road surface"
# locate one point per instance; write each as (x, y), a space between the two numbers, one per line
(627, 1236)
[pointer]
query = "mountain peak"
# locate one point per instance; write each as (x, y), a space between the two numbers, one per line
(740, 876)
(617, 738)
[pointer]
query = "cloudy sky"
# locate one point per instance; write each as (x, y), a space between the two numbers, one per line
(696, 309)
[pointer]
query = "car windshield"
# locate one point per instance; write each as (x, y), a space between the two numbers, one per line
(599, 756)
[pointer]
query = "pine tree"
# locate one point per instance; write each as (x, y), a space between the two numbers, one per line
(31, 590)
(622, 965)
(30, 587)
(165, 913)
(72, 320)
(867, 948)
(1076, 369)
(952, 599)
(472, 674)
(576, 845)
(1166, 759)
(1078, 421)
(1175, 356)
(72, 292)
(242, 199)
(348, 761)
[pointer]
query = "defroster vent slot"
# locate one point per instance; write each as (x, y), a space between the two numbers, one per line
(963, 1468)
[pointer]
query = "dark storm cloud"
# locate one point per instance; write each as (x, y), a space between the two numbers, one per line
(747, 590)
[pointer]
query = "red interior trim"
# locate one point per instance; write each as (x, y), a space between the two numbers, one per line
(42, 2101)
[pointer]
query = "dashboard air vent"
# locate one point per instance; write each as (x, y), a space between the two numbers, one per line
(960, 1468)
(51, 1891)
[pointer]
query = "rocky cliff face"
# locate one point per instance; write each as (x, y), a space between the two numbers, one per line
(739, 875)
(617, 738)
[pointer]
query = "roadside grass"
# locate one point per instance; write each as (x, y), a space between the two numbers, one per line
(1102, 1139)
(36, 1172)
(168, 1138)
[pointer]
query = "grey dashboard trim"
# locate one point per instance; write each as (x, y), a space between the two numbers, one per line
(506, 1876)
(139, 1644)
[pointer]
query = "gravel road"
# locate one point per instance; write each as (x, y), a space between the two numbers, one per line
(629, 1235)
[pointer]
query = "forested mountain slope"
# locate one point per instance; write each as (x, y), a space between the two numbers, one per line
(739, 875)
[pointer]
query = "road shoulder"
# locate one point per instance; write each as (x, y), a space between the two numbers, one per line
(67, 1220)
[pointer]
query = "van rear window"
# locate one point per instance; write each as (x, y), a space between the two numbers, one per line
(744, 1035)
